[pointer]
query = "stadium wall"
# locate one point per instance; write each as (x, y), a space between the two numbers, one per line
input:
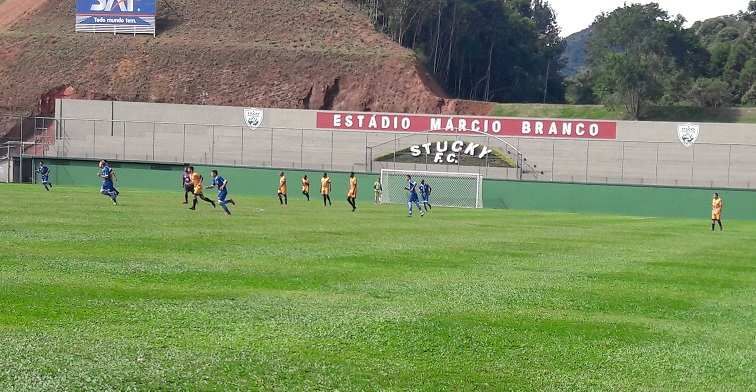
(645, 153)
(646, 201)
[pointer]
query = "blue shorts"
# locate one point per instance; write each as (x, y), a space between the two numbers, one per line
(107, 186)
(413, 198)
(45, 178)
(222, 195)
(426, 199)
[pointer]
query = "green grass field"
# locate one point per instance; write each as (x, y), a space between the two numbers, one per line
(148, 295)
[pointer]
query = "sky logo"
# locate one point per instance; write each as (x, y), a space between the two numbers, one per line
(110, 5)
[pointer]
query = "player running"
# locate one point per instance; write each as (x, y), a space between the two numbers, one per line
(107, 174)
(197, 191)
(186, 183)
(425, 191)
(222, 185)
(377, 191)
(306, 187)
(412, 198)
(716, 212)
(282, 190)
(352, 193)
(44, 175)
(325, 189)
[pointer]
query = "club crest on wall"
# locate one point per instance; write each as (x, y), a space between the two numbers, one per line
(253, 117)
(688, 134)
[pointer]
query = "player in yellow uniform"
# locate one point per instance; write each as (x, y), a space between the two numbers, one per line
(716, 212)
(325, 189)
(282, 190)
(306, 187)
(197, 183)
(352, 193)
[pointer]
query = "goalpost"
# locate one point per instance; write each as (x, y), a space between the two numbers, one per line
(458, 190)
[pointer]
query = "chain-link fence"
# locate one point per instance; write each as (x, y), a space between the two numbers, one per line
(576, 161)
(643, 163)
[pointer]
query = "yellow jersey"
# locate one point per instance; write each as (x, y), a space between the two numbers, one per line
(282, 185)
(716, 209)
(352, 187)
(197, 182)
(325, 186)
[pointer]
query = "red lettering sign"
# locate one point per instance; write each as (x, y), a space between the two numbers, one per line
(467, 125)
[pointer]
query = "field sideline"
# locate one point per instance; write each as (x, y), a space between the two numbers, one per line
(148, 295)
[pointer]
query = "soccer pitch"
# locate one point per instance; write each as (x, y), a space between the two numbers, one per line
(149, 295)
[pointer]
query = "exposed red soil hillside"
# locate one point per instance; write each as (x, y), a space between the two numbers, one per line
(270, 53)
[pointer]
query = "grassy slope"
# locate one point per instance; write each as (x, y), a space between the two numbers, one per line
(149, 295)
(599, 112)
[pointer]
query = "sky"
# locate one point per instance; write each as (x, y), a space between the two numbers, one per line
(575, 15)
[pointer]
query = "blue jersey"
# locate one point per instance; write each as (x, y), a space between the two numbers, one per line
(425, 190)
(43, 170)
(412, 187)
(218, 182)
(412, 191)
(107, 175)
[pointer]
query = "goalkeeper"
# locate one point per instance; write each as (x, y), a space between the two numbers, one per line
(377, 190)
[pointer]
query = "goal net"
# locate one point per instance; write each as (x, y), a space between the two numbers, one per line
(460, 190)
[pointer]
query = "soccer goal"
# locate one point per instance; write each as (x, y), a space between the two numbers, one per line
(459, 190)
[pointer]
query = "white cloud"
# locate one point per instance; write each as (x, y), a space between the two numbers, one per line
(575, 15)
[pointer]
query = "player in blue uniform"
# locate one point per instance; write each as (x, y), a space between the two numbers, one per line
(411, 189)
(222, 185)
(44, 174)
(425, 191)
(108, 176)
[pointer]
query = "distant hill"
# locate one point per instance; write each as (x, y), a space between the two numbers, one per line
(575, 52)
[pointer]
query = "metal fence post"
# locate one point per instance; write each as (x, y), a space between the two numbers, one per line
(212, 146)
(692, 164)
(488, 143)
(396, 146)
(301, 148)
(271, 147)
(729, 166)
(94, 139)
(242, 145)
(153, 140)
(657, 162)
(21, 151)
(124, 140)
(587, 158)
(183, 150)
(622, 164)
(553, 159)
(331, 150)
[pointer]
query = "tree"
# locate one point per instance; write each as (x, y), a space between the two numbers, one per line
(580, 89)
(627, 81)
(750, 97)
(710, 93)
(638, 52)
(491, 50)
